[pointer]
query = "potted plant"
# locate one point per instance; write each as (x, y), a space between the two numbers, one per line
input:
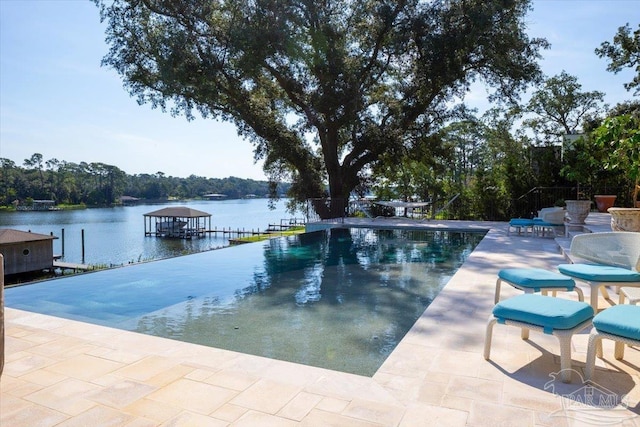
(604, 201)
(578, 168)
(578, 210)
(619, 136)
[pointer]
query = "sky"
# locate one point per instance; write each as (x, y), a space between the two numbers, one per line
(57, 100)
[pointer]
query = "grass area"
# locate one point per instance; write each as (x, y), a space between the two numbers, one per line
(64, 206)
(264, 236)
(61, 206)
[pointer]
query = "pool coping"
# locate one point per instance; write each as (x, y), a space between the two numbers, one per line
(64, 372)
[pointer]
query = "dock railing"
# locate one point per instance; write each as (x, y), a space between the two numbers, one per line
(326, 209)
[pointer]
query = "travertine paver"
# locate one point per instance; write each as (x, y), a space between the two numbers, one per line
(193, 395)
(495, 414)
(99, 415)
(300, 406)
(229, 412)
(69, 396)
(92, 367)
(418, 415)
(30, 415)
(266, 396)
(64, 373)
(153, 410)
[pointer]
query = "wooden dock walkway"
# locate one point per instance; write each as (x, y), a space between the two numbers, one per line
(237, 232)
(195, 232)
(72, 266)
(272, 228)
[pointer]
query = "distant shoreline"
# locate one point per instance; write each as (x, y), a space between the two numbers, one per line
(66, 207)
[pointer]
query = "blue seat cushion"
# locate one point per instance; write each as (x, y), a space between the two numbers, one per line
(536, 278)
(520, 222)
(548, 312)
(622, 320)
(599, 272)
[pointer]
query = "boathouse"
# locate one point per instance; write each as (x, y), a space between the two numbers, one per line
(38, 205)
(26, 252)
(177, 221)
(128, 200)
(214, 196)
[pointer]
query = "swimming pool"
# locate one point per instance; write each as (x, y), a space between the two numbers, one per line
(339, 299)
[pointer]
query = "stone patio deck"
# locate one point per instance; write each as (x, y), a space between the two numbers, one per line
(65, 373)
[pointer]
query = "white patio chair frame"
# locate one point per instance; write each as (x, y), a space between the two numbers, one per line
(595, 348)
(551, 219)
(564, 337)
(617, 249)
(633, 294)
(521, 229)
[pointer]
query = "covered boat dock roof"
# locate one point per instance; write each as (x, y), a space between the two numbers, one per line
(177, 221)
(178, 211)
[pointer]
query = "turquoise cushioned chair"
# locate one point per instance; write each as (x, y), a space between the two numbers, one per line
(614, 261)
(549, 219)
(520, 224)
(555, 316)
(620, 323)
(532, 280)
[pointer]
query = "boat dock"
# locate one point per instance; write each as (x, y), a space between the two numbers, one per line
(285, 224)
(72, 266)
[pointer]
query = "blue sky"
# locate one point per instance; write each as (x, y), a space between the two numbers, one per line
(56, 99)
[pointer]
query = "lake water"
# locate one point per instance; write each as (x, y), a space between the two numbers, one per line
(115, 236)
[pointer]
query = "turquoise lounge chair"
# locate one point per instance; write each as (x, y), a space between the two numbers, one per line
(549, 219)
(614, 261)
(532, 280)
(621, 324)
(521, 225)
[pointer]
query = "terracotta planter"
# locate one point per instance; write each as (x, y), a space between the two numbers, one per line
(625, 219)
(578, 210)
(604, 202)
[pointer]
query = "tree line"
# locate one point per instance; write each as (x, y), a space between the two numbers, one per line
(501, 165)
(100, 184)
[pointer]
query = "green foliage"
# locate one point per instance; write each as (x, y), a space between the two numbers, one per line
(584, 164)
(619, 138)
(324, 90)
(624, 52)
(506, 167)
(561, 108)
(607, 156)
(581, 161)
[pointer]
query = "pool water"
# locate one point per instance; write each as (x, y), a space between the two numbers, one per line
(339, 299)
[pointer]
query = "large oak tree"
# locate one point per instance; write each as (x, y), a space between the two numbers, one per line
(561, 108)
(322, 88)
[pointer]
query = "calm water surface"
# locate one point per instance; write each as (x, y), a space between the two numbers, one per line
(115, 236)
(340, 299)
